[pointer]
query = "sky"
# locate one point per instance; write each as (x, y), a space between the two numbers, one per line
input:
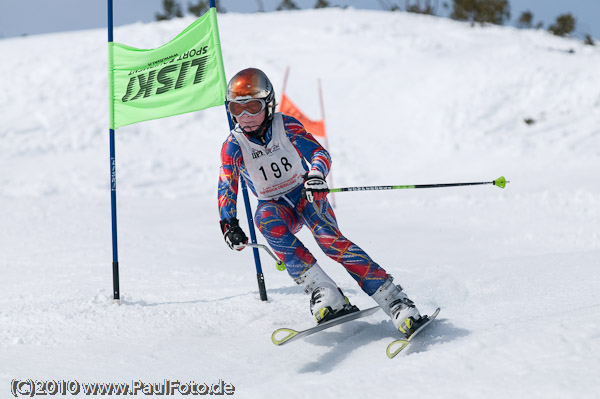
(32, 17)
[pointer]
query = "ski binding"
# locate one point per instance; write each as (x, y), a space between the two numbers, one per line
(398, 345)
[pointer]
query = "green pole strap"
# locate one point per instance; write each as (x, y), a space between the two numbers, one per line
(499, 182)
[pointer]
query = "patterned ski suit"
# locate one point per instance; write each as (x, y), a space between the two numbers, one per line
(280, 216)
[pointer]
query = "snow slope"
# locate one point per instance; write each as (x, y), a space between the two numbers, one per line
(409, 99)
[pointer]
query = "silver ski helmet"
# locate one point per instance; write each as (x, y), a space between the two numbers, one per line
(252, 83)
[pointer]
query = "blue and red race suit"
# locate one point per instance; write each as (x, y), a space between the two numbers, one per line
(279, 219)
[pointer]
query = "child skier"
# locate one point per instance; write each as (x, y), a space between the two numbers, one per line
(285, 167)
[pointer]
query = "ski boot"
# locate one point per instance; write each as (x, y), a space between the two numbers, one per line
(394, 302)
(326, 300)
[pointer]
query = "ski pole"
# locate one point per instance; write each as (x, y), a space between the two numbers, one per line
(499, 182)
(280, 265)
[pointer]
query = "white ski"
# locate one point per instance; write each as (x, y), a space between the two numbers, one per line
(288, 335)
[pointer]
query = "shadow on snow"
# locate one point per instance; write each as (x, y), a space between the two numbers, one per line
(354, 335)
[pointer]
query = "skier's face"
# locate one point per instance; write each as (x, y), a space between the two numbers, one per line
(251, 122)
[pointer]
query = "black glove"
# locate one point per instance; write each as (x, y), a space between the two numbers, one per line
(315, 186)
(233, 234)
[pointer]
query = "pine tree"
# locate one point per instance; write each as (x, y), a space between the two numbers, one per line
(589, 40)
(322, 4)
(526, 20)
(563, 25)
(421, 6)
(199, 8)
(287, 5)
(202, 6)
(171, 10)
(481, 11)
(389, 5)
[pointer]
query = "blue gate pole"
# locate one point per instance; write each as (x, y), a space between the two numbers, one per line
(259, 273)
(113, 176)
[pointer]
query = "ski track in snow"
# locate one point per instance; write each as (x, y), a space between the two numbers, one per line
(409, 99)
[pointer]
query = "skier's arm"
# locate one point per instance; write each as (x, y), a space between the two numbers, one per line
(307, 146)
(315, 186)
(228, 180)
(228, 188)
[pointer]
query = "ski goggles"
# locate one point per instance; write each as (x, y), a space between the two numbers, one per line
(251, 107)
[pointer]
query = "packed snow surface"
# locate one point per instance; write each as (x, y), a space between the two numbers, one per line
(408, 99)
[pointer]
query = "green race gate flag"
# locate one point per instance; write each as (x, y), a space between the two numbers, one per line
(181, 76)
